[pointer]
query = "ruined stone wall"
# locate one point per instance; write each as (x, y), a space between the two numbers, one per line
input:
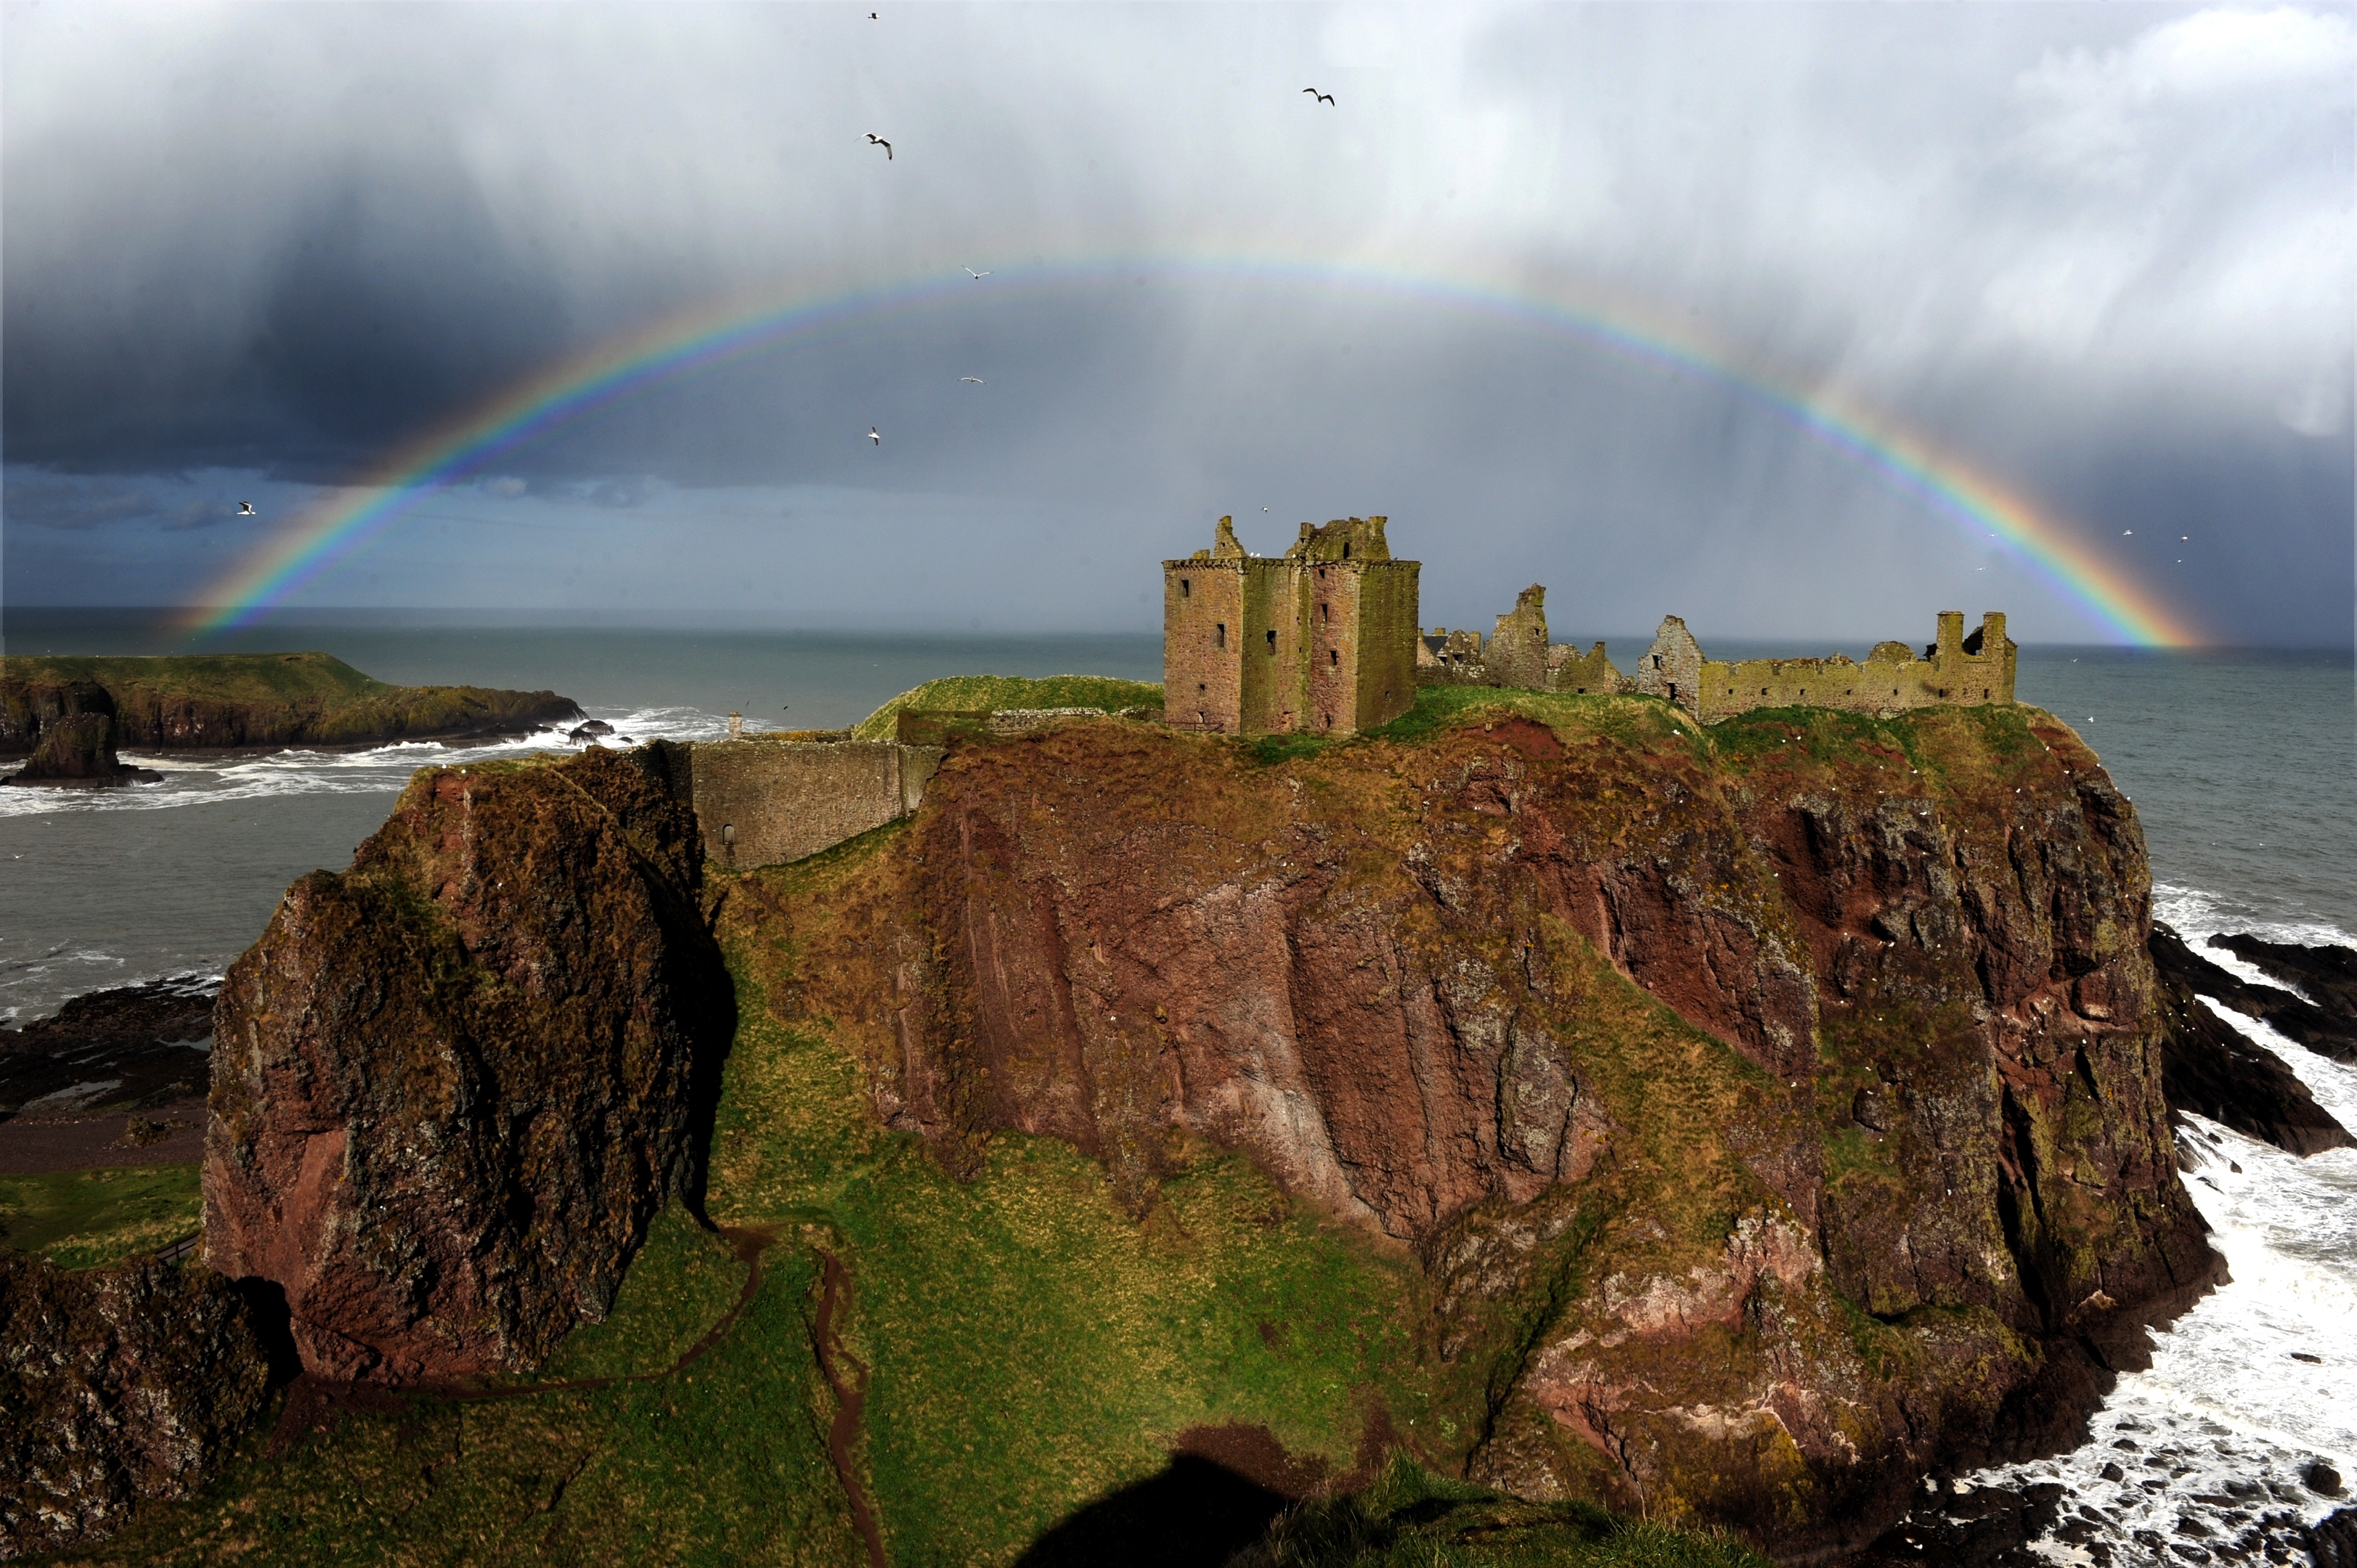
(1671, 668)
(1955, 668)
(1584, 674)
(1518, 649)
(765, 802)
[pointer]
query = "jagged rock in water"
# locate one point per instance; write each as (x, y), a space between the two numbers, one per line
(2208, 1067)
(2325, 1031)
(79, 749)
(2328, 974)
(118, 1386)
(451, 1085)
(1776, 1117)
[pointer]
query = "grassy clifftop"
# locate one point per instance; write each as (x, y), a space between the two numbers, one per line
(985, 693)
(251, 699)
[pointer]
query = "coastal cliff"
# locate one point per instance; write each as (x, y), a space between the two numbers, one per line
(249, 700)
(1726, 1126)
(1775, 1111)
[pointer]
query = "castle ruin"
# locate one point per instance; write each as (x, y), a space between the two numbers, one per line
(1321, 641)
(1324, 641)
(1517, 655)
(1953, 668)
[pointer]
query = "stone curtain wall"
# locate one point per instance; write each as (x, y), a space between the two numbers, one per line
(762, 802)
(1518, 655)
(1953, 670)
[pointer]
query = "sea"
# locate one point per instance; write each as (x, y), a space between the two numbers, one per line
(2241, 765)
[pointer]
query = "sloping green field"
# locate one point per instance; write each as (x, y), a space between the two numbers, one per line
(294, 679)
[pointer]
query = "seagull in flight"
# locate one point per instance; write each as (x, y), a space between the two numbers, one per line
(875, 438)
(1325, 98)
(245, 509)
(975, 379)
(975, 275)
(880, 142)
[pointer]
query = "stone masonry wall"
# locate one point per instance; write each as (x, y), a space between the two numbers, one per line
(764, 802)
(1322, 639)
(1953, 669)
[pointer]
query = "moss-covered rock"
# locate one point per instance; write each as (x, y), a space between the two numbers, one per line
(450, 1085)
(118, 1386)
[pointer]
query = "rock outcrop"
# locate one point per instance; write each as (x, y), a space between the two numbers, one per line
(80, 750)
(2208, 1067)
(451, 1085)
(1778, 1114)
(118, 1386)
(2326, 1021)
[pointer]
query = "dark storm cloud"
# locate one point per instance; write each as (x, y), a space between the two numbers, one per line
(2101, 254)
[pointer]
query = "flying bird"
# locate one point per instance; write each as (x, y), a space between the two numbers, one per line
(975, 379)
(873, 437)
(975, 275)
(880, 142)
(1325, 98)
(245, 509)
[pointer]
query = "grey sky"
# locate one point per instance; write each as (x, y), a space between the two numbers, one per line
(2102, 255)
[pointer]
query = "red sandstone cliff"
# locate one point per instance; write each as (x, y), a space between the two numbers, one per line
(452, 1084)
(1773, 1114)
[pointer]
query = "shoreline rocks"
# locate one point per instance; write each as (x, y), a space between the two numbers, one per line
(78, 752)
(2208, 1067)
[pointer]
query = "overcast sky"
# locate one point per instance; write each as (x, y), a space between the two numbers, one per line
(2102, 255)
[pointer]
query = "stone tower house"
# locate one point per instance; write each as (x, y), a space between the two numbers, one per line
(1322, 641)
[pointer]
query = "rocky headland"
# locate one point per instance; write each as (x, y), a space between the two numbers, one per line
(249, 700)
(1724, 1126)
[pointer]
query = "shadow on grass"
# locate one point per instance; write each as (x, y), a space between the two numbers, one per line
(1195, 1514)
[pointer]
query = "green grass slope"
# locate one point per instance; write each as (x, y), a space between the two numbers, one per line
(987, 693)
(82, 1219)
(294, 679)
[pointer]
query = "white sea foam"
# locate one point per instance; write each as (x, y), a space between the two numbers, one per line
(295, 770)
(2229, 1404)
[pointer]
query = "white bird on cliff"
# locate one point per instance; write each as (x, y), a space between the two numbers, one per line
(873, 437)
(245, 509)
(878, 141)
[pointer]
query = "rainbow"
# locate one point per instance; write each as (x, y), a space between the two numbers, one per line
(666, 349)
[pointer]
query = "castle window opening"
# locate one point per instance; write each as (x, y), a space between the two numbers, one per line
(1201, 688)
(1220, 635)
(1185, 589)
(1325, 612)
(1346, 549)
(1272, 642)
(1334, 656)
